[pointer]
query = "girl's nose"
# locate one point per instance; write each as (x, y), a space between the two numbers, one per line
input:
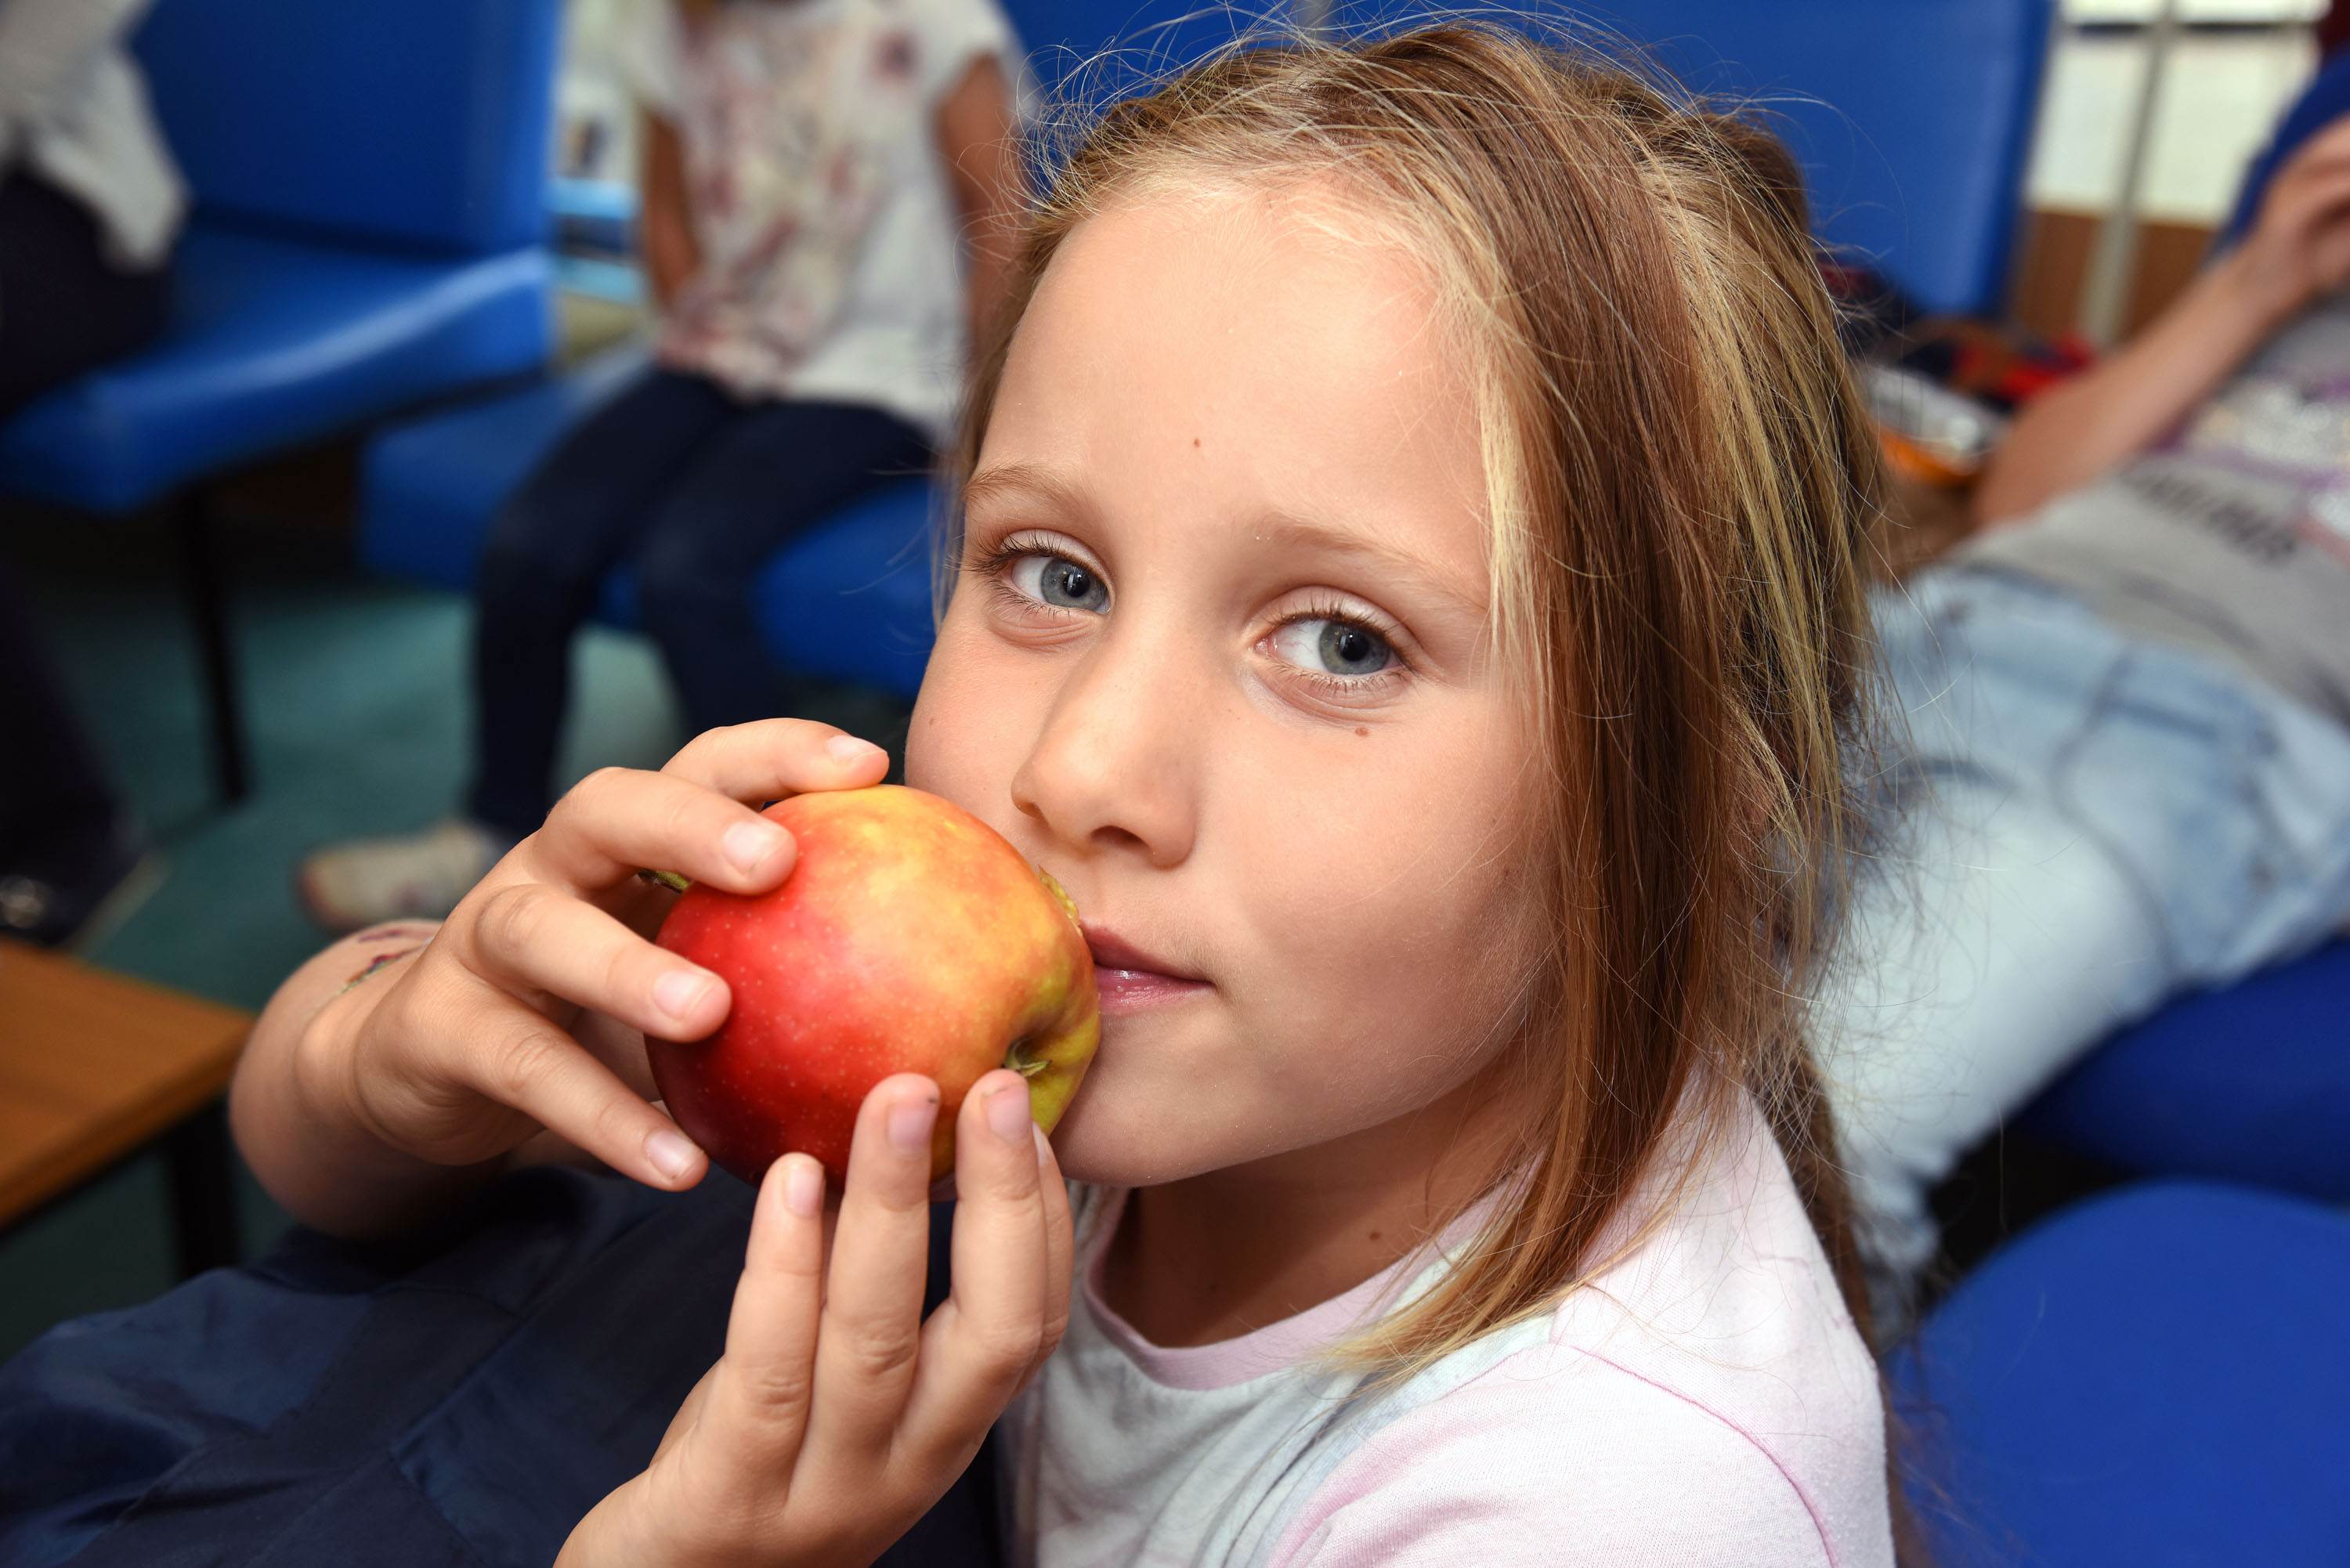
(1117, 763)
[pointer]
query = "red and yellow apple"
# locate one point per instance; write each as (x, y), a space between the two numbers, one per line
(909, 938)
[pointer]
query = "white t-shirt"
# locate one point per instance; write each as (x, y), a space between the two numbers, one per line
(829, 234)
(1705, 1402)
(74, 108)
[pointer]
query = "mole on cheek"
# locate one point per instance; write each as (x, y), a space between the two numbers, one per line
(1359, 731)
(1195, 440)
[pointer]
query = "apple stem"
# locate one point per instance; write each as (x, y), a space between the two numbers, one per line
(1019, 1062)
(675, 881)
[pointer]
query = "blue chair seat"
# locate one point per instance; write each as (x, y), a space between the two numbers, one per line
(276, 342)
(848, 601)
(2249, 1084)
(2158, 1378)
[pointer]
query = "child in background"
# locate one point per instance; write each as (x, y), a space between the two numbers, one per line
(2128, 771)
(813, 170)
(1410, 590)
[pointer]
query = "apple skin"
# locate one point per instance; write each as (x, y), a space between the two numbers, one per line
(909, 938)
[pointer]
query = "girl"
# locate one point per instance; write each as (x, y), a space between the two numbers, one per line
(813, 170)
(1409, 590)
(2128, 771)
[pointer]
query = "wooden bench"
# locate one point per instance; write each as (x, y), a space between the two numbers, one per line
(94, 1068)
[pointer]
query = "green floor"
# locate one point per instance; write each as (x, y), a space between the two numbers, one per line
(357, 713)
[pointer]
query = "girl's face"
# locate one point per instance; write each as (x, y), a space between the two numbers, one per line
(1217, 661)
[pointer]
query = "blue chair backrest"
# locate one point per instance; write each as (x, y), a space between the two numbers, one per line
(422, 123)
(1094, 51)
(1912, 117)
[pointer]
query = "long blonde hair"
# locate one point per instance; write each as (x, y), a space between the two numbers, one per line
(1683, 499)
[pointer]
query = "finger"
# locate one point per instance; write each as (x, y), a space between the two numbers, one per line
(2321, 193)
(617, 821)
(983, 1340)
(776, 757)
(990, 1332)
(536, 940)
(517, 1057)
(1060, 1254)
(881, 1256)
(1060, 1245)
(762, 1386)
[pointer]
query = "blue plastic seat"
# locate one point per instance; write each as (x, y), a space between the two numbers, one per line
(274, 345)
(2250, 1084)
(849, 599)
(368, 234)
(2158, 1377)
(1912, 119)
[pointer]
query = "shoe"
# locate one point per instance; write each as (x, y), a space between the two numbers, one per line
(76, 900)
(418, 876)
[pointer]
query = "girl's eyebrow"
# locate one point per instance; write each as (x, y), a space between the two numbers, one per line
(1286, 531)
(1025, 481)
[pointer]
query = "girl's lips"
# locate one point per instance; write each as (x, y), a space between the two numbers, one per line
(1125, 991)
(1131, 979)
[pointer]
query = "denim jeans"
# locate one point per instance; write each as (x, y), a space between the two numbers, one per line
(461, 1399)
(695, 490)
(2079, 825)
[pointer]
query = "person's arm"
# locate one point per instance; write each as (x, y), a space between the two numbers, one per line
(665, 222)
(2080, 431)
(2298, 249)
(979, 139)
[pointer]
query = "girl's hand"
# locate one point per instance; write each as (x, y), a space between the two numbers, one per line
(529, 1009)
(837, 1417)
(2299, 245)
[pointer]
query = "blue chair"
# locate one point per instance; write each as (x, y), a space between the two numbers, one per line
(1085, 54)
(2249, 1084)
(849, 599)
(2158, 1377)
(1912, 119)
(368, 236)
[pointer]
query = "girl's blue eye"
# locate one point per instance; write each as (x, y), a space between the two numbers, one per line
(1058, 581)
(1329, 645)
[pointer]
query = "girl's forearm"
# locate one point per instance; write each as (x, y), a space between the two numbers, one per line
(2081, 429)
(291, 1108)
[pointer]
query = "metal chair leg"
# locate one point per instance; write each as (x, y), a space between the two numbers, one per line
(200, 573)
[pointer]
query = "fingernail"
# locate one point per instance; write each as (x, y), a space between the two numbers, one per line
(910, 1124)
(750, 844)
(848, 751)
(1007, 1112)
(680, 992)
(804, 1187)
(668, 1153)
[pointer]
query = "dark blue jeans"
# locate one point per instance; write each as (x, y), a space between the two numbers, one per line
(463, 1400)
(694, 489)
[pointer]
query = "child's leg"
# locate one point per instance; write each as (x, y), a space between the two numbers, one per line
(1989, 950)
(773, 471)
(543, 565)
(2088, 826)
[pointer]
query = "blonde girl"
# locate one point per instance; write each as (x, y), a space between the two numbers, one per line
(1408, 588)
